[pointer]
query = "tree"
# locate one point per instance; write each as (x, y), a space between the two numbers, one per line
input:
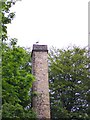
(16, 82)
(5, 17)
(69, 83)
(16, 71)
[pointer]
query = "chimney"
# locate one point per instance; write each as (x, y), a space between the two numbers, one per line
(40, 88)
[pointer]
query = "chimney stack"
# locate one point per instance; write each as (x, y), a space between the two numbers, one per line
(40, 88)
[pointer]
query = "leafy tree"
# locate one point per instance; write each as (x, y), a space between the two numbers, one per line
(5, 17)
(69, 83)
(16, 82)
(16, 70)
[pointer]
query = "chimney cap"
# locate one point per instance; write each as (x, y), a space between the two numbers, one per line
(40, 47)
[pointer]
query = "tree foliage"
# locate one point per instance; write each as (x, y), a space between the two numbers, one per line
(16, 71)
(5, 16)
(69, 84)
(16, 82)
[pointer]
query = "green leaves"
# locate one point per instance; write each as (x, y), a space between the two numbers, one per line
(16, 70)
(69, 83)
(17, 111)
(5, 17)
(16, 81)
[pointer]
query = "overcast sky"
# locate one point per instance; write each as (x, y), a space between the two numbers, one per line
(58, 23)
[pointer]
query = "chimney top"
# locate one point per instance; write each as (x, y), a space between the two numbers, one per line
(40, 48)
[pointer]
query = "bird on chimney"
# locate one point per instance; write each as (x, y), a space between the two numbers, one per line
(37, 42)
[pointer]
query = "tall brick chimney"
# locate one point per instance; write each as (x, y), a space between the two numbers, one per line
(40, 100)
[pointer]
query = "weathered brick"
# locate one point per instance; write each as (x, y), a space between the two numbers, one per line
(40, 102)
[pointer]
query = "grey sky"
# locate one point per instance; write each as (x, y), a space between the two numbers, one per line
(58, 23)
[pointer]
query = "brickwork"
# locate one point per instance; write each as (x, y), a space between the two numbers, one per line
(40, 102)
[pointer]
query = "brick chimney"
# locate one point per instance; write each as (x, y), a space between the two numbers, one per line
(40, 100)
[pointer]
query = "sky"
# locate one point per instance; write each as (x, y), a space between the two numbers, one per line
(58, 23)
